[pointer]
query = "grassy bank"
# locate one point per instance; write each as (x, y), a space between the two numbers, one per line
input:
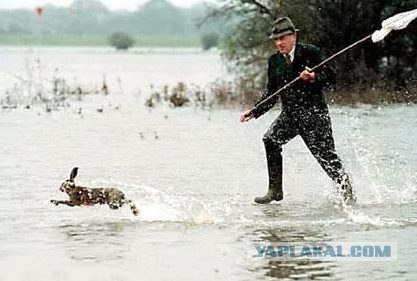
(224, 94)
(95, 40)
(230, 94)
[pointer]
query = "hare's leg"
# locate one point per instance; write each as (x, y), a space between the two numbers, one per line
(65, 202)
(113, 206)
(132, 206)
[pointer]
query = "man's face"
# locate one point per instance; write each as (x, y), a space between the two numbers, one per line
(285, 43)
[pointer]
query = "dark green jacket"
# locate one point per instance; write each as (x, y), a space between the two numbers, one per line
(302, 94)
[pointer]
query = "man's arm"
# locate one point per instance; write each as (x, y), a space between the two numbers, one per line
(271, 88)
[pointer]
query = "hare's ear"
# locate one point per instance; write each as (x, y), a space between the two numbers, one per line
(74, 173)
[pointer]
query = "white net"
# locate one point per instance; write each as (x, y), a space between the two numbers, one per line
(397, 22)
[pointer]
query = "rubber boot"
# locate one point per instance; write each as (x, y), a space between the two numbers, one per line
(274, 161)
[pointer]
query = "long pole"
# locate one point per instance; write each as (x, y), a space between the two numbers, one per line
(311, 70)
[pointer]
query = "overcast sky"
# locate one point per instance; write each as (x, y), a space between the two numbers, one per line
(111, 4)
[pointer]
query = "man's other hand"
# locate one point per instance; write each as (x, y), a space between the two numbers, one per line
(246, 116)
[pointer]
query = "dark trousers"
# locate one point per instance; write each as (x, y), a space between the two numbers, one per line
(314, 127)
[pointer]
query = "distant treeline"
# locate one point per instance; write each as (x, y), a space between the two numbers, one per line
(385, 67)
(90, 17)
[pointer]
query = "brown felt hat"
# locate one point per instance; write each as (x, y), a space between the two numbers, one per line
(281, 27)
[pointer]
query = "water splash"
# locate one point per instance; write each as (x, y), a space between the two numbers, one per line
(158, 206)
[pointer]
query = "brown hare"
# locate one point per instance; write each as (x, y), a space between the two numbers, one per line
(85, 196)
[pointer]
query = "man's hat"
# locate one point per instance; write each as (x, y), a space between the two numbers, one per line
(282, 27)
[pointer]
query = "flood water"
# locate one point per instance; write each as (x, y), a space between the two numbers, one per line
(193, 174)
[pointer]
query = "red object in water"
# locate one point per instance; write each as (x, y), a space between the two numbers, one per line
(39, 10)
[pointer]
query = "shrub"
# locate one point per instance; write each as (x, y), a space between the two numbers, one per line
(209, 40)
(121, 41)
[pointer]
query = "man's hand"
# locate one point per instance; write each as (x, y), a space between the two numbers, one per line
(308, 76)
(246, 116)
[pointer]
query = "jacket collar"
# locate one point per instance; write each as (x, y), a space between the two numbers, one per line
(297, 53)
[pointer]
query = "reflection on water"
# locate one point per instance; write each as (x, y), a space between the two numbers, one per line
(98, 242)
(296, 270)
(292, 268)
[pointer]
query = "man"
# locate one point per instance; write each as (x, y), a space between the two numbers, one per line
(304, 110)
